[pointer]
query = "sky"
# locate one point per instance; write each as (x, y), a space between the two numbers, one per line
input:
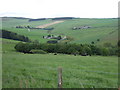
(59, 8)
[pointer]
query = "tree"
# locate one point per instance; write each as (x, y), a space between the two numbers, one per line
(51, 48)
(49, 35)
(95, 50)
(118, 43)
(44, 47)
(28, 26)
(14, 36)
(35, 44)
(118, 52)
(92, 42)
(62, 48)
(112, 51)
(23, 47)
(59, 37)
(86, 50)
(71, 50)
(105, 51)
(98, 40)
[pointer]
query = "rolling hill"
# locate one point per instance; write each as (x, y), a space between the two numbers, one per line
(106, 30)
(21, 70)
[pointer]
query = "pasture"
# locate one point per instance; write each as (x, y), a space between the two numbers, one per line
(104, 29)
(40, 70)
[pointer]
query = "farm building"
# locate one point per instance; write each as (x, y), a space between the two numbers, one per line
(81, 27)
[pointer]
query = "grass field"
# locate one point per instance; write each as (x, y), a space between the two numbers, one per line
(103, 29)
(40, 71)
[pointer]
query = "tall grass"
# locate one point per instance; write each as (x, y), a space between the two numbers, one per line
(40, 71)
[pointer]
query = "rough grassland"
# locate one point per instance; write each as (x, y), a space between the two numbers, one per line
(40, 71)
(104, 29)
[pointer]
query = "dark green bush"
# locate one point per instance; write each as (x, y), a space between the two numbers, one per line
(118, 43)
(105, 52)
(81, 49)
(23, 47)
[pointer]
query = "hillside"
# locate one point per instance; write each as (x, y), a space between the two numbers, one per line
(23, 70)
(103, 29)
(78, 71)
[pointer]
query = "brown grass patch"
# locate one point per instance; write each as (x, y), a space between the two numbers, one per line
(49, 24)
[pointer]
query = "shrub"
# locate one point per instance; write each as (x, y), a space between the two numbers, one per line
(105, 51)
(92, 42)
(112, 51)
(118, 43)
(35, 51)
(23, 47)
(71, 50)
(81, 49)
(118, 52)
(98, 40)
(35, 44)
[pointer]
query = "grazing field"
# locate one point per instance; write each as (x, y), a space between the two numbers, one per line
(21, 70)
(40, 70)
(104, 29)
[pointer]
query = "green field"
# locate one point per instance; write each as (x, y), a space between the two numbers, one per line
(104, 29)
(40, 70)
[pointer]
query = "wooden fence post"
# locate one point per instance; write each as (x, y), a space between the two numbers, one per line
(59, 77)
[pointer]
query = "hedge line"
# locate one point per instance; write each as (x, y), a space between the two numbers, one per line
(76, 49)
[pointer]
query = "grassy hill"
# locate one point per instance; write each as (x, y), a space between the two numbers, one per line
(104, 29)
(100, 29)
(40, 70)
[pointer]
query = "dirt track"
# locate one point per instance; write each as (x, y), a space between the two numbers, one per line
(49, 24)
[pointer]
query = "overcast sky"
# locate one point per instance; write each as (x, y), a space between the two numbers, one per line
(59, 8)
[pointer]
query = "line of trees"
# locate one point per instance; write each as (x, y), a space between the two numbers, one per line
(14, 36)
(61, 18)
(75, 49)
(29, 27)
(37, 19)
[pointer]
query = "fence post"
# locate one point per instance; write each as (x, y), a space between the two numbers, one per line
(59, 77)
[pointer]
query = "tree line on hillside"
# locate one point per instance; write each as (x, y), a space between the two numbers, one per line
(14, 36)
(29, 27)
(61, 18)
(37, 19)
(74, 49)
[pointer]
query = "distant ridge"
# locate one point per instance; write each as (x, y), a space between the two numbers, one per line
(16, 17)
(61, 18)
(39, 19)
(55, 18)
